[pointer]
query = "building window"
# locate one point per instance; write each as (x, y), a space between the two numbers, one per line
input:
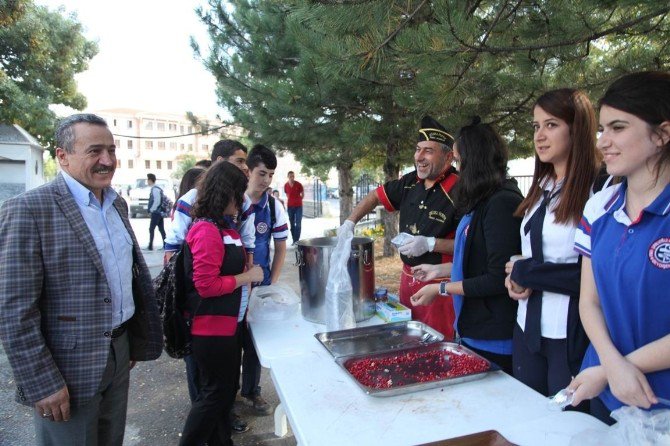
(149, 125)
(114, 122)
(117, 143)
(118, 163)
(130, 124)
(190, 129)
(169, 165)
(130, 164)
(190, 147)
(172, 127)
(130, 144)
(173, 146)
(147, 164)
(160, 126)
(181, 129)
(161, 145)
(159, 165)
(181, 147)
(148, 145)
(205, 147)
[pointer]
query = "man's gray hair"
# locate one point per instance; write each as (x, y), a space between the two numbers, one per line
(65, 132)
(445, 148)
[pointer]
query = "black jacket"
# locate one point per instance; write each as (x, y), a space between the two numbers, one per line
(493, 236)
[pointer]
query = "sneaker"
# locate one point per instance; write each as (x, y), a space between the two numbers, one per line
(260, 406)
(237, 424)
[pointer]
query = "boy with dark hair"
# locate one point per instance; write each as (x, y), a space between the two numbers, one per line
(270, 222)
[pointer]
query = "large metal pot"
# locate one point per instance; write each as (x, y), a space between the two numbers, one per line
(313, 261)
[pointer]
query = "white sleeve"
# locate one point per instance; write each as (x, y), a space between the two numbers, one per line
(595, 208)
(248, 225)
(280, 229)
(181, 221)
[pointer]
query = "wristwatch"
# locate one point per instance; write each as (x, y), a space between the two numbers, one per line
(443, 288)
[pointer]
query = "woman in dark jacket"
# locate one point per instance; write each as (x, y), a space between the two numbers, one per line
(487, 236)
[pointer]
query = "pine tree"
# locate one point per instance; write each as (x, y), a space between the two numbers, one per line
(341, 81)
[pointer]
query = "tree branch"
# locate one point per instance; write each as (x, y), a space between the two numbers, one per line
(594, 36)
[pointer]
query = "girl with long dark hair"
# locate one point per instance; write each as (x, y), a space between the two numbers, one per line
(214, 264)
(549, 341)
(624, 237)
(488, 234)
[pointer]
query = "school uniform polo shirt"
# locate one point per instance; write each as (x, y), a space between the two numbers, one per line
(423, 211)
(631, 267)
(265, 230)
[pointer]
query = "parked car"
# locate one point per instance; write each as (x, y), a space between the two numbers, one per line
(139, 195)
(333, 192)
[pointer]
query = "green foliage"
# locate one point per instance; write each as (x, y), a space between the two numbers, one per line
(339, 82)
(41, 51)
(50, 168)
(184, 162)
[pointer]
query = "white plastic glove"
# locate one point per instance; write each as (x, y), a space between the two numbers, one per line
(346, 228)
(417, 246)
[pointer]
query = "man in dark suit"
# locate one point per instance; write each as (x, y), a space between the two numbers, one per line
(78, 307)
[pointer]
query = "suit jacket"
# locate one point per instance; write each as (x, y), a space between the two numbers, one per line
(55, 303)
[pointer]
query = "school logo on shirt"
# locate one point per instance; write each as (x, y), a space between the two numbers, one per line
(659, 253)
(262, 227)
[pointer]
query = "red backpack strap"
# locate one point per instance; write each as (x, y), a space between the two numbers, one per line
(448, 183)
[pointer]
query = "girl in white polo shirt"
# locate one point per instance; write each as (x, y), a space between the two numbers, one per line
(549, 341)
(625, 239)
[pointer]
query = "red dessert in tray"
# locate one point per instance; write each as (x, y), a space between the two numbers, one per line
(415, 366)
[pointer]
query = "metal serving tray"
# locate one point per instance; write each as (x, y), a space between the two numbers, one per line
(378, 338)
(415, 387)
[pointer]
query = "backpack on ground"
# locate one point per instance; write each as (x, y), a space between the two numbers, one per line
(169, 286)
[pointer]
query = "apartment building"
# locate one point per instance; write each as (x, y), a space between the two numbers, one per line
(154, 142)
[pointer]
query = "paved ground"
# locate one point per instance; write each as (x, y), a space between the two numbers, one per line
(159, 402)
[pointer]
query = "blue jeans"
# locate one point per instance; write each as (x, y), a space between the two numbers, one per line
(295, 218)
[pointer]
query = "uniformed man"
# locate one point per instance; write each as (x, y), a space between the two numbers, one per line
(427, 212)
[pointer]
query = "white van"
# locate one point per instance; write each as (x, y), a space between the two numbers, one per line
(139, 195)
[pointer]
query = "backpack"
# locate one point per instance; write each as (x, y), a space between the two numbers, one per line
(169, 286)
(166, 205)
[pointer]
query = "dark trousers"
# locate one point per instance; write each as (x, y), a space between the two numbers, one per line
(546, 371)
(295, 220)
(192, 377)
(156, 220)
(504, 361)
(251, 365)
(218, 360)
(102, 420)
(601, 412)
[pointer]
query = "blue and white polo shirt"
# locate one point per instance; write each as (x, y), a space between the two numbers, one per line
(262, 222)
(631, 267)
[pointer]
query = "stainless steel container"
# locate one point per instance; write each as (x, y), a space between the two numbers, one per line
(313, 261)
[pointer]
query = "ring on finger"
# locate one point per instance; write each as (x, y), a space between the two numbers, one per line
(46, 415)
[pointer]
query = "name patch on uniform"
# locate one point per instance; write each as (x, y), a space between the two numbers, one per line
(437, 215)
(659, 253)
(262, 227)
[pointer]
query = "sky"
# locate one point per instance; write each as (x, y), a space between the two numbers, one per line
(144, 60)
